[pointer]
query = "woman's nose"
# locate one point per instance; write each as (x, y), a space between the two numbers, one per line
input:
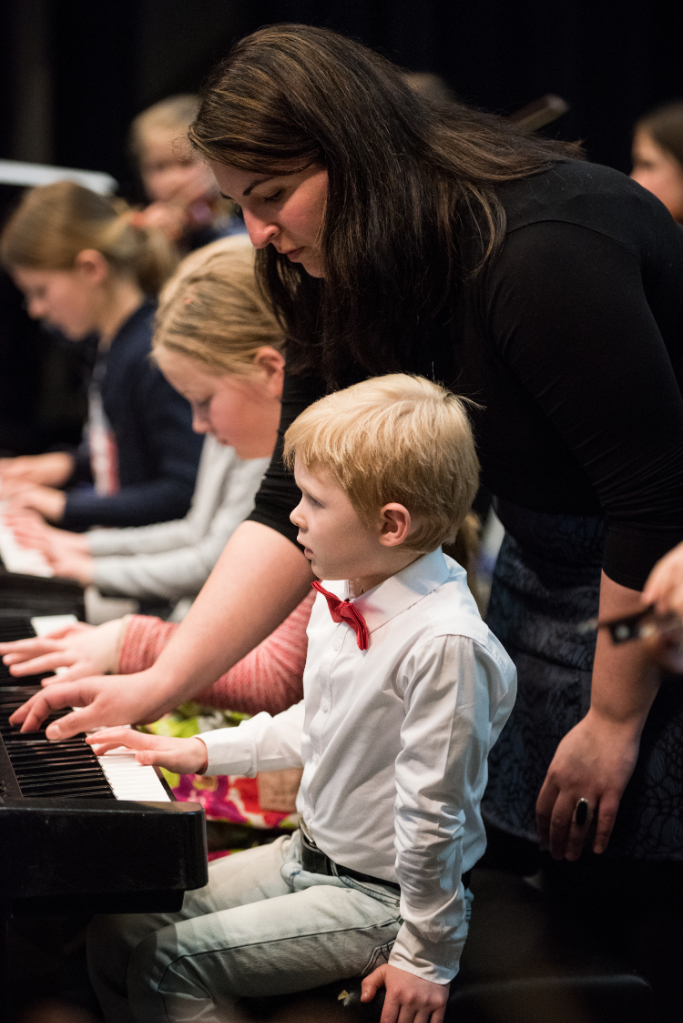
(261, 232)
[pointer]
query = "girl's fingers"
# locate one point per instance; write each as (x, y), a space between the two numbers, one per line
(48, 662)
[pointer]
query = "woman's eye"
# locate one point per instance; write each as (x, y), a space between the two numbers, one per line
(275, 197)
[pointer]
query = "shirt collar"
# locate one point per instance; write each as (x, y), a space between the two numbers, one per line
(399, 592)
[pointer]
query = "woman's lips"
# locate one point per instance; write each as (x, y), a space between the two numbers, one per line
(294, 254)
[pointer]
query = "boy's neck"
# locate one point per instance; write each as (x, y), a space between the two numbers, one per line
(399, 561)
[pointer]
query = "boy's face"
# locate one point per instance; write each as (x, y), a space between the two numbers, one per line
(336, 541)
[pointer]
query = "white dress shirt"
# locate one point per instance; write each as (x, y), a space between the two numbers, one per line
(394, 743)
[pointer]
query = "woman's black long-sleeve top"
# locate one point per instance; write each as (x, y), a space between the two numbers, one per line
(571, 342)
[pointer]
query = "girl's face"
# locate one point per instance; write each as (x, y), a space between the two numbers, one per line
(69, 300)
(658, 171)
(284, 210)
(169, 165)
(242, 412)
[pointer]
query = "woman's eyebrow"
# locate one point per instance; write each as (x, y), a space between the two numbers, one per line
(247, 191)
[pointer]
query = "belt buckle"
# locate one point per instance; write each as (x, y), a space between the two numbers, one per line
(313, 859)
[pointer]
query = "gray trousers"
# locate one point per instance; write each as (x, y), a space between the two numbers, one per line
(261, 926)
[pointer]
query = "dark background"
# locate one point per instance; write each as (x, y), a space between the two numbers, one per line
(74, 72)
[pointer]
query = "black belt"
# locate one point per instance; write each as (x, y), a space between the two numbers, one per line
(315, 861)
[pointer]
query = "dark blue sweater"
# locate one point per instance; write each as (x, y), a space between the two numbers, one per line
(158, 452)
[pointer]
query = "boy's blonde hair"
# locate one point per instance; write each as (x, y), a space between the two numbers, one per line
(175, 113)
(213, 311)
(394, 438)
(53, 223)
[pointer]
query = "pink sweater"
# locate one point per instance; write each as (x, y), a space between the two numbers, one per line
(269, 678)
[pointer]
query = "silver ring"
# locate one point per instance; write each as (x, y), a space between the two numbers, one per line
(581, 812)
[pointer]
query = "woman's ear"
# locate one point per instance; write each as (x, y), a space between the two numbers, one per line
(396, 525)
(92, 265)
(271, 363)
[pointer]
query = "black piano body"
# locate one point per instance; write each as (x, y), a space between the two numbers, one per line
(92, 853)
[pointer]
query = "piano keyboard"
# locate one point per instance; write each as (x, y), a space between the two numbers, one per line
(24, 560)
(48, 769)
(22, 626)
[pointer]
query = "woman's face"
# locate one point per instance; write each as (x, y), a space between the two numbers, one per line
(657, 170)
(284, 210)
(69, 300)
(242, 412)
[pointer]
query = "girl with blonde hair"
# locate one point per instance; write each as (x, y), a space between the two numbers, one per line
(84, 268)
(223, 346)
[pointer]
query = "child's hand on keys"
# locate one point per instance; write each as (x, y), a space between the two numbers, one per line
(409, 998)
(182, 756)
(80, 650)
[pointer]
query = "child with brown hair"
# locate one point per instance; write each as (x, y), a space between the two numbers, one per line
(405, 692)
(84, 268)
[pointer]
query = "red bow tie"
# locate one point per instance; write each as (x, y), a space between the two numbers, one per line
(345, 611)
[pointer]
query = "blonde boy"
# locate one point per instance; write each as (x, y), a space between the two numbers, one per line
(405, 692)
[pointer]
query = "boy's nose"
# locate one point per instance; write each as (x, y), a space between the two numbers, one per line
(297, 518)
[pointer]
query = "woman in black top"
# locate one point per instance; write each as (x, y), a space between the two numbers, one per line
(399, 235)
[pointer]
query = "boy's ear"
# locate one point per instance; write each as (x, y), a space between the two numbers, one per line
(396, 524)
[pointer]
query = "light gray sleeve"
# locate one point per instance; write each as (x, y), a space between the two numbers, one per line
(215, 466)
(182, 572)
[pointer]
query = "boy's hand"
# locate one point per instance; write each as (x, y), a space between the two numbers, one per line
(409, 999)
(182, 756)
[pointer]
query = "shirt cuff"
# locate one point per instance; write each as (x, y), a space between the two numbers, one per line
(437, 962)
(231, 751)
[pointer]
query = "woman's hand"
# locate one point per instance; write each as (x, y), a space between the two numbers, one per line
(102, 700)
(664, 588)
(52, 469)
(82, 650)
(409, 998)
(596, 759)
(183, 756)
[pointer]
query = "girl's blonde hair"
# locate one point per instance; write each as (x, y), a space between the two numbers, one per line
(54, 223)
(175, 113)
(213, 311)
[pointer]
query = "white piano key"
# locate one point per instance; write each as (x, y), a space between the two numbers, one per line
(43, 624)
(23, 560)
(131, 780)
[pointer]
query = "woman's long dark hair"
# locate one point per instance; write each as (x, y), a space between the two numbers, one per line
(412, 207)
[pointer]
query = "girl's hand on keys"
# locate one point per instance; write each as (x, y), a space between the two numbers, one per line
(81, 649)
(183, 756)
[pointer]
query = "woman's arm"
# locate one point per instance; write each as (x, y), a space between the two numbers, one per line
(258, 581)
(596, 759)
(575, 326)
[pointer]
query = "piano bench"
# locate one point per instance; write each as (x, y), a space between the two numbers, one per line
(522, 963)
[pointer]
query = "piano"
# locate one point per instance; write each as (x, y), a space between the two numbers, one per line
(81, 833)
